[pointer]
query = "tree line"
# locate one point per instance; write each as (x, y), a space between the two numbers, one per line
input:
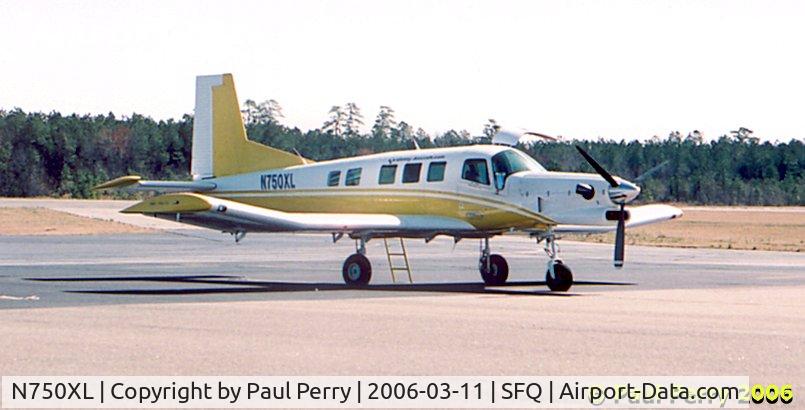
(65, 155)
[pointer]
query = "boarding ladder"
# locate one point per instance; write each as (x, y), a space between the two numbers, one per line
(404, 254)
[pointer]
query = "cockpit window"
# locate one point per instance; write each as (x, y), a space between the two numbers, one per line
(475, 170)
(512, 161)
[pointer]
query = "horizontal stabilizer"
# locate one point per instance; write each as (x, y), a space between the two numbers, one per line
(171, 203)
(136, 183)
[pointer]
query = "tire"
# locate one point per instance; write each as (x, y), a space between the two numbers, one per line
(357, 270)
(563, 280)
(498, 270)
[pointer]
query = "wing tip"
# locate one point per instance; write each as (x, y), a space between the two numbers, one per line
(118, 182)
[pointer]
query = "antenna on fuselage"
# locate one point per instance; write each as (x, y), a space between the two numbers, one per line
(416, 144)
(304, 160)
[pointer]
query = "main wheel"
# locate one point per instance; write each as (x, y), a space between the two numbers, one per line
(357, 270)
(498, 270)
(562, 280)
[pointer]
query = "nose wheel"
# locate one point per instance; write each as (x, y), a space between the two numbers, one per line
(559, 278)
(562, 278)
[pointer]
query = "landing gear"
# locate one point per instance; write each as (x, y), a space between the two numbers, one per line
(562, 278)
(357, 270)
(495, 271)
(493, 267)
(559, 278)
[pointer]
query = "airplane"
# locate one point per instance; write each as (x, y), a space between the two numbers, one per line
(477, 191)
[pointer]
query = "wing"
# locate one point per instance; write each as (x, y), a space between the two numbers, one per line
(136, 183)
(231, 216)
(638, 216)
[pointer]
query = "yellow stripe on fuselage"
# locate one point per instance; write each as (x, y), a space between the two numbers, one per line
(483, 213)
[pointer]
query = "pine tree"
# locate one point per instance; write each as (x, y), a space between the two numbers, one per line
(335, 125)
(354, 120)
(384, 122)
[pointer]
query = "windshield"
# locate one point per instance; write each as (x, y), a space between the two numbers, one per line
(512, 161)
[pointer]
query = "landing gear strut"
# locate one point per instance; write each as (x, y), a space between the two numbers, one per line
(357, 270)
(559, 278)
(493, 267)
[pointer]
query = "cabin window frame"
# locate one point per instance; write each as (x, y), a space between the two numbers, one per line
(334, 178)
(406, 175)
(353, 176)
(393, 168)
(431, 167)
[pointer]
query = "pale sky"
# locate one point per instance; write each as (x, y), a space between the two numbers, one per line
(580, 69)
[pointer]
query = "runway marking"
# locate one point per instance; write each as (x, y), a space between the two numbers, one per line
(7, 297)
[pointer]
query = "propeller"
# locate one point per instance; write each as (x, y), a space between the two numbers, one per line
(651, 171)
(620, 238)
(620, 193)
(598, 168)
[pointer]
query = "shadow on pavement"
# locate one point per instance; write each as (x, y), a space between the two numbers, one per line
(237, 284)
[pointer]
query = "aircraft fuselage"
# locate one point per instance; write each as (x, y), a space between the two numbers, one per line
(490, 186)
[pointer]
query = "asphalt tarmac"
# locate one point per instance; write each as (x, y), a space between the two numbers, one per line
(194, 302)
(202, 266)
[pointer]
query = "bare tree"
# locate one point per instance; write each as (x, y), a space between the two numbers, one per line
(335, 124)
(266, 112)
(491, 128)
(353, 121)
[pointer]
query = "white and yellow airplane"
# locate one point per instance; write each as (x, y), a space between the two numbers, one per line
(477, 191)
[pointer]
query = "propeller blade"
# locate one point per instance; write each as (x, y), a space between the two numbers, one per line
(620, 236)
(598, 168)
(652, 171)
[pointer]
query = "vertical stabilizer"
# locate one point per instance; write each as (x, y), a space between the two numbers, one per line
(220, 145)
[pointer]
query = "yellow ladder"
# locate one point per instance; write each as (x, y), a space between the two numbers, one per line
(404, 254)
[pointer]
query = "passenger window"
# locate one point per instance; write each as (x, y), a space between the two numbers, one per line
(436, 171)
(387, 174)
(411, 172)
(353, 177)
(475, 170)
(333, 178)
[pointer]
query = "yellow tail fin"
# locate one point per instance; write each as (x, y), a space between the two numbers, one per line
(220, 145)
